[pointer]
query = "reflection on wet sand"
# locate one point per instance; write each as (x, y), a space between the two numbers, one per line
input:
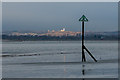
(83, 71)
(64, 66)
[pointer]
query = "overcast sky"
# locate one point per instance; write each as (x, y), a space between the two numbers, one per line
(39, 16)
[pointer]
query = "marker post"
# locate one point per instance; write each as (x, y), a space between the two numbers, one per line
(84, 19)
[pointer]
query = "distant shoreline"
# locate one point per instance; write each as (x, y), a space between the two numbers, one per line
(59, 38)
(52, 40)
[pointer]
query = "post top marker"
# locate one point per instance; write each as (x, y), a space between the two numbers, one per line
(83, 18)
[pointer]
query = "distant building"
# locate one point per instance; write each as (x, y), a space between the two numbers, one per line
(23, 34)
(59, 33)
(62, 30)
(48, 30)
(53, 30)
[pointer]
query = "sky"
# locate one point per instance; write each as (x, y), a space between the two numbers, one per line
(43, 16)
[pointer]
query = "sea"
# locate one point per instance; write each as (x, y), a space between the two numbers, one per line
(59, 59)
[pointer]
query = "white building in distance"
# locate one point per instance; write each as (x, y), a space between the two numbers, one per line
(62, 30)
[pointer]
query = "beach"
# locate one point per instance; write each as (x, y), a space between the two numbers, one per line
(59, 59)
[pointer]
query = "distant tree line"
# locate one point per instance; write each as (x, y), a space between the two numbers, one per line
(57, 38)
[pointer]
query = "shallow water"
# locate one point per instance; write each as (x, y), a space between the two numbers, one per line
(59, 59)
